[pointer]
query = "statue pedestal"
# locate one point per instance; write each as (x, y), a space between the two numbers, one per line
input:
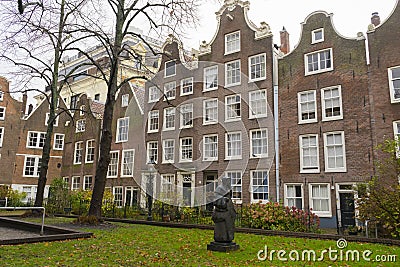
(222, 247)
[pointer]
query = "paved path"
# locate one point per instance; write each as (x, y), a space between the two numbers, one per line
(12, 233)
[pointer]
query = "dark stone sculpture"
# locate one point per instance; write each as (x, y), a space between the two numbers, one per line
(224, 215)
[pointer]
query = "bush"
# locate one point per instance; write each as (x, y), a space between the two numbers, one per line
(59, 197)
(14, 196)
(80, 202)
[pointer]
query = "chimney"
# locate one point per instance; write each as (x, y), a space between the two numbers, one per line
(285, 44)
(30, 108)
(375, 19)
(24, 100)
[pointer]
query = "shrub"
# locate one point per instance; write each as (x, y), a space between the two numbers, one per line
(59, 197)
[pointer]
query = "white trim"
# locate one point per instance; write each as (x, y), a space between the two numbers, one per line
(124, 97)
(37, 139)
(165, 68)
(55, 124)
(173, 110)
(148, 150)
(117, 164)
(344, 168)
(251, 187)
(73, 178)
(2, 118)
(120, 193)
(131, 164)
(252, 155)
(205, 89)
(75, 150)
(204, 148)
(396, 132)
(84, 182)
(20, 154)
(1, 95)
(158, 90)
(185, 80)
(257, 116)
(299, 111)
(286, 194)
(265, 67)
(302, 170)
(164, 161)
(181, 113)
(54, 141)
(35, 167)
(321, 213)
(82, 110)
(180, 183)
(226, 73)
(324, 118)
(227, 157)
(82, 129)
(1, 136)
(226, 46)
(181, 159)
(307, 72)
(118, 130)
(237, 118)
(87, 150)
(236, 200)
(313, 40)
(204, 111)
(149, 119)
(173, 85)
(391, 88)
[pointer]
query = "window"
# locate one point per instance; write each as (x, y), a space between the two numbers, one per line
(309, 154)
(317, 62)
(259, 186)
(232, 73)
(210, 147)
(320, 199)
(186, 149)
(167, 185)
(317, 36)
(30, 192)
(396, 129)
(32, 166)
(232, 42)
(168, 151)
(78, 152)
(122, 129)
(257, 67)
(236, 183)
(66, 180)
(232, 107)
(55, 121)
(90, 151)
(152, 152)
(170, 90)
(74, 102)
(127, 162)
(210, 78)
(210, 111)
(82, 110)
(80, 125)
(113, 166)
(258, 104)
(170, 68)
(118, 197)
(187, 86)
(294, 195)
(169, 119)
(307, 107)
(97, 97)
(153, 121)
(331, 103)
(76, 182)
(335, 156)
(233, 146)
(1, 95)
(58, 142)
(186, 114)
(125, 100)
(154, 94)
(2, 113)
(87, 182)
(36, 139)
(259, 143)
(1, 136)
(394, 84)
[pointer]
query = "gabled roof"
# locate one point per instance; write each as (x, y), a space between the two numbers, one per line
(138, 93)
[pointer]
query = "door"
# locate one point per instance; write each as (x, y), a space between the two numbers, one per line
(187, 194)
(347, 209)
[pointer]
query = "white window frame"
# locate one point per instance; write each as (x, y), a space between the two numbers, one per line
(260, 65)
(185, 109)
(1, 136)
(120, 136)
(301, 121)
(40, 136)
(36, 166)
(113, 164)
(75, 183)
(233, 74)
(80, 126)
(170, 90)
(76, 151)
(120, 195)
(286, 202)
(252, 154)
(253, 104)
(164, 159)
(58, 146)
(1, 95)
(230, 43)
(2, 113)
(313, 35)
(319, 70)
(148, 151)
(237, 200)
(82, 109)
(309, 169)
(149, 124)
(90, 144)
(127, 166)
(154, 94)
(396, 132)
(125, 100)
(187, 83)
(208, 122)
(230, 157)
(55, 123)
(169, 68)
(207, 76)
(85, 183)
(167, 181)
(189, 147)
(205, 156)
(327, 213)
(341, 169)
(252, 186)
(393, 98)
(228, 108)
(173, 113)
(323, 104)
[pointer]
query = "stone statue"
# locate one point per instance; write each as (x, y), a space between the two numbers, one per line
(224, 215)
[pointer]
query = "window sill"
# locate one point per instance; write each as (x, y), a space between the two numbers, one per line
(335, 170)
(258, 156)
(210, 123)
(185, 127)
(122, 141)
(210, 159)
(310, 171)
(258, 116)
(233, 120)
(209, 89)
(168, 129)
(322, 214)
(257, 79)
(152, 131)
(232, 85)
(317, 71)
(185, 94)
(307, 122)
(336, 118)
(233, 158)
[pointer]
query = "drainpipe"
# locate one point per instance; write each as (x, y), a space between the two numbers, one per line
(276, 125)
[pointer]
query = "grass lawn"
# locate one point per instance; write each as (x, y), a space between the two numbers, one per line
(140, 245)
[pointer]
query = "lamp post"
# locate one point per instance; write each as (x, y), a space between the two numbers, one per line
(150, 190)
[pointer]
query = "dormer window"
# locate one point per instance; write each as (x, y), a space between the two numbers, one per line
(170, 68)
(232, 42)
(317, 35)
(1, 96)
